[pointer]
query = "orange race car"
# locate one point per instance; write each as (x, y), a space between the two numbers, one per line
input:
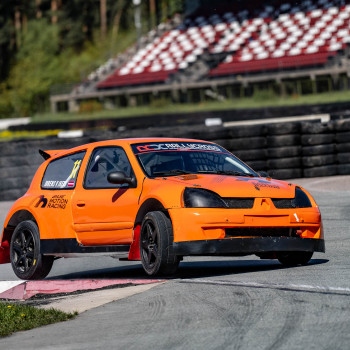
(156, 200)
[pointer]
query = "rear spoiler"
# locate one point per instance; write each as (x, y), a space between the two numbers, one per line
(48, 154)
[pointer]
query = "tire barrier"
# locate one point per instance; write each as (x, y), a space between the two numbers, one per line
(284, 150)
(342, 142)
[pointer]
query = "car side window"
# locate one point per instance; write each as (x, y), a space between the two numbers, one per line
(105, 160)
(62, 173)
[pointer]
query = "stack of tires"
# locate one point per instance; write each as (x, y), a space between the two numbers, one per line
(17, 167)
(284, 150)
(342, 137)
(319, 157)
(248, 143)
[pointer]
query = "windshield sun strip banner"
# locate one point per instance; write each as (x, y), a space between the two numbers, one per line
(141, 148)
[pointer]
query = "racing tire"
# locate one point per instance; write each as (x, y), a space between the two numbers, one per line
(343, 169)
(283, 140)
(343, 137)
(309, 162)
(294, 258)
(251, 154)
(316, 128)
(319, 150)
(325, 170)
(343, 147)
(284, 163)
(282, 152)
(247, 131)
(342, 125)
(283, 174)
(283, 128)
(343, 158)
(316, 139)
(26, 260)
(257, 165)
(247, 143)
(156, 245)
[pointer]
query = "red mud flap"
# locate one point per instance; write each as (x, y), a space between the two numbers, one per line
(5, 253)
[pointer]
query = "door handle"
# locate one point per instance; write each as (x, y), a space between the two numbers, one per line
(80, 204)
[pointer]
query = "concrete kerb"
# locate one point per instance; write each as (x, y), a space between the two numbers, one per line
(74, 295)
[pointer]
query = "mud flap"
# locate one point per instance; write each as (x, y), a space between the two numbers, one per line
(5, 253)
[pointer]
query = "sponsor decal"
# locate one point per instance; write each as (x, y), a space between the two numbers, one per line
(42, 202)
(54, 184)
(55, 202)
(176, 147)
(58, 202)
(259, 183)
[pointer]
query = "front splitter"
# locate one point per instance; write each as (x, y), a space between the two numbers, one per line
(246, 246)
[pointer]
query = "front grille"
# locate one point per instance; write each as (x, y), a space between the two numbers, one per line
(261, 232)
(239, 203)
(284, 203)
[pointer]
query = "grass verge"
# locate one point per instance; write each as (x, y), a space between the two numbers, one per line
(17, 317)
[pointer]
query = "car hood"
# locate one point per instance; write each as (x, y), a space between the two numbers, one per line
(238, 186)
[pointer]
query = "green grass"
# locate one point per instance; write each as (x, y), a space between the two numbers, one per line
(17, 317)
(238, 103)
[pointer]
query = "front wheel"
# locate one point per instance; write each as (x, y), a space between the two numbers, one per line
(26, 260)
(294, 258)
(156, 245)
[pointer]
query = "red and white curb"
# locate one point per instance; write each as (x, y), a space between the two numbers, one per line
(22, 290)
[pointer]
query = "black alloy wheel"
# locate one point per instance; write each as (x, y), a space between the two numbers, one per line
(26, 260)
(156, 238)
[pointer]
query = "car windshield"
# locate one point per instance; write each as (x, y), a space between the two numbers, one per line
(179, 158)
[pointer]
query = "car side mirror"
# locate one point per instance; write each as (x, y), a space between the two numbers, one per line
(120, 178)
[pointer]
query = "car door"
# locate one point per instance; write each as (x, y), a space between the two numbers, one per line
(104, 213)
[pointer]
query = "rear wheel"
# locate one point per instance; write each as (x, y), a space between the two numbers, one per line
(26, 260)
(156, 245)
(294, 258)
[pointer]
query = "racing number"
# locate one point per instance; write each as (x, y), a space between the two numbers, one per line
(75, 169)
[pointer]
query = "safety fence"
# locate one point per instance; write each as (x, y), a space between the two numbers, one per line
(284, 150)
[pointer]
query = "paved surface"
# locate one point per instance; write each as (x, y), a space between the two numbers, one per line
(219, 303)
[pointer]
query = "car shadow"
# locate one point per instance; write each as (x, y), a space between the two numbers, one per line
(187, 270)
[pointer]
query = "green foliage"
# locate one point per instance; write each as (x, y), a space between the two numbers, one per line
(14, 318)
(49, 48)
(37, 68)
(264, 95)
(90, 106)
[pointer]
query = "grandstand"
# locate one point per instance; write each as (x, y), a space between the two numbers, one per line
(229, 51)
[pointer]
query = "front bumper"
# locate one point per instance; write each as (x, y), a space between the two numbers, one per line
(192, 224)
(247, 246)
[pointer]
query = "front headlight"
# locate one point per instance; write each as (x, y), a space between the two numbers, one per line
(301, 200)
(201, 198)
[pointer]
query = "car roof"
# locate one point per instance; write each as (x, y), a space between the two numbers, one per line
(118, 142)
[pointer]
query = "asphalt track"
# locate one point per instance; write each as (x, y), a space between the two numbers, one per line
(218, 303)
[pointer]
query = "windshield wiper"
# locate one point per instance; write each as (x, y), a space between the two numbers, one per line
(172, 172)
(226, 172)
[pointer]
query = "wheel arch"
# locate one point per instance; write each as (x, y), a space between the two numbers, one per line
(16, 218)
(148, 205)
